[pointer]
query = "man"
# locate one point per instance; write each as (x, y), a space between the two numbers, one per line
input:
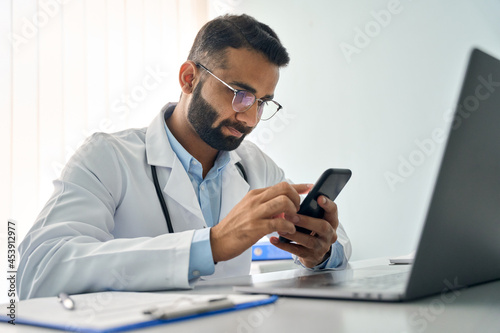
(158, 208)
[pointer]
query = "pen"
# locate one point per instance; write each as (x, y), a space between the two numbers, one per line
(172, 312)
(66, 301)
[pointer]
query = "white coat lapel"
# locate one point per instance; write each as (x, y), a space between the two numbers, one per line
(182, 203)
(180, 190)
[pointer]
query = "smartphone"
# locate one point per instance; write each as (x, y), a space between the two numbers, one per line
(331, 182)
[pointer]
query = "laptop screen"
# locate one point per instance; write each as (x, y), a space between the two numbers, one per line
(460, 241)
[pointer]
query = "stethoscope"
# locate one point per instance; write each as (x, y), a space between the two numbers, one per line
(162, 199)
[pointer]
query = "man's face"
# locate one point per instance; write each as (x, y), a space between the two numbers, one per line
(210, 110)
(203, 118)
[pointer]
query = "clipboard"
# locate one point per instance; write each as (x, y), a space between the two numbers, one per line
(112, 311)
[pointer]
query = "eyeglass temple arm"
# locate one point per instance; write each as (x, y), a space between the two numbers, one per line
(224, 83)
(227, 85)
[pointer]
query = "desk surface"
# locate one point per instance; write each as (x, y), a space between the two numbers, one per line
(475, 309)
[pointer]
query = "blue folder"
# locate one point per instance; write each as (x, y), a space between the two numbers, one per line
(267, 251)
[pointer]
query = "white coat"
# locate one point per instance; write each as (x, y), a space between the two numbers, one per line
(103, 228)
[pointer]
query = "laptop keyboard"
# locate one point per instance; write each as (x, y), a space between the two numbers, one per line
(382, 282)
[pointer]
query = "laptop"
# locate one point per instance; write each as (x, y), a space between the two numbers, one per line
(460, 242)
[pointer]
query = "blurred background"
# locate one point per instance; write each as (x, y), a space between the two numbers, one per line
(371, 86)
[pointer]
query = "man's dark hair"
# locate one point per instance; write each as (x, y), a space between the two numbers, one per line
(236, 31)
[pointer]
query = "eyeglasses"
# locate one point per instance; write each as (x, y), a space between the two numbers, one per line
(243, 100)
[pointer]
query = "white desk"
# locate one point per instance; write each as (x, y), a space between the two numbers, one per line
(475, 309)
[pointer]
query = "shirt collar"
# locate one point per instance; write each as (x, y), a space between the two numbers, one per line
(186, 158)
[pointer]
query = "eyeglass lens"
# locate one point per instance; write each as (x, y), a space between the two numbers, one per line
(243, 100)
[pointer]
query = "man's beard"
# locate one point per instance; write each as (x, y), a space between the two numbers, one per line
(202, 116)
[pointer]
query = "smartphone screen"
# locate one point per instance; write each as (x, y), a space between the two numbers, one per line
(331, 182)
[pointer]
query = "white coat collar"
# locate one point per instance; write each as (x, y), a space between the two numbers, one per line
(160, 153)
(158, 149)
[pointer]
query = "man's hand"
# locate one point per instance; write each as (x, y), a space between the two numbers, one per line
(314, 248)
(258, 214)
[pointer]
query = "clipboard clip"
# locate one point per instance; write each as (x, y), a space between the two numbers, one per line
(192, 308)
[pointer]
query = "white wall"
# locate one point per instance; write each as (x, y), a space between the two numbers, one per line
(367, 112)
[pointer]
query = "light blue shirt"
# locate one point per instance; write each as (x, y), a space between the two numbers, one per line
(336, 258)
(209, 192)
